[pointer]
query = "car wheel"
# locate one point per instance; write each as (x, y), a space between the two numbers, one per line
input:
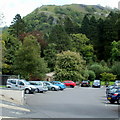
(71, 86)
(111, 101)
(27, 91)
(118, 101)
(53, 89)
(37, 90)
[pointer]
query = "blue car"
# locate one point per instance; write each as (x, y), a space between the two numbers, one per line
(58, 83)
(114, 95)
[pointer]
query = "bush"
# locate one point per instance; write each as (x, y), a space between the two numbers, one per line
(116, 69)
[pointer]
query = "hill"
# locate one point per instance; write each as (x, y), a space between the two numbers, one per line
(44, 17)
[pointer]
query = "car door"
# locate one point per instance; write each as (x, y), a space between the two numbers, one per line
(21, 85)
(13, 84)
(48, 85)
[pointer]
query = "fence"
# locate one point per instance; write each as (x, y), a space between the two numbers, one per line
(3, 78)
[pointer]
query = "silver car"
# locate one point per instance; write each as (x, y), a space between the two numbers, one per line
(51, 86)
(41, 87)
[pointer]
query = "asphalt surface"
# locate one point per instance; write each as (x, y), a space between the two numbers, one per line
(78, 102)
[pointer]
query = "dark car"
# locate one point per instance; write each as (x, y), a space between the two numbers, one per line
(85, 83)
(114, 95)
(109, 88)
(96, 83)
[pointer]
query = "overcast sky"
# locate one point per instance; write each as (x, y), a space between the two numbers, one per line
(23, 7)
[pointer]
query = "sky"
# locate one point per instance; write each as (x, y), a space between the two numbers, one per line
(9, 8)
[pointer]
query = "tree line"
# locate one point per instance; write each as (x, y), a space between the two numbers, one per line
(74, 52)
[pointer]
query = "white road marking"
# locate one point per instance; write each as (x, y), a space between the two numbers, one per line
(14, 107)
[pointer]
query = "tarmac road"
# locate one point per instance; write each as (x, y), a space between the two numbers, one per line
(78, 102)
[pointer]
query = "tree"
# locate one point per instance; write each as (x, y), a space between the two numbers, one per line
(70, 26)
(81, 44)
(85, 26)
(116, 69)
(91, 74)
(50, 55)
(59, 37)
(17, 27)
(107, 77)
(69, 66)
(10, 46)
(28, 62)
(110, 33)
(39, 36)
(115, 52)
(98, 69)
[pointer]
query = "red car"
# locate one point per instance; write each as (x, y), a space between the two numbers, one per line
(69, 83)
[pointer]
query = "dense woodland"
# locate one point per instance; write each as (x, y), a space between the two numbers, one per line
(77, 42)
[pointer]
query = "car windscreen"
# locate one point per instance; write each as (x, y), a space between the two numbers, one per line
(34, 83)
(84, 81)
(113, 90)
(96, 83)
(27, 83)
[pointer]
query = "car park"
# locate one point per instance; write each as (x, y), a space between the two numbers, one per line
(58, 83)
(51, 86)
(41, 87)
(21, 84)
(114, 95)
(85, 83)
(69, 83)
(96, 83)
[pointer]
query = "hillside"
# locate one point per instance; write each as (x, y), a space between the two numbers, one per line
(44, 17)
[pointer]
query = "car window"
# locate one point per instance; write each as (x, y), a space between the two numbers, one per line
(13, 81)
(20, 83)
(47, 84)
(33, 83)
(114, 90)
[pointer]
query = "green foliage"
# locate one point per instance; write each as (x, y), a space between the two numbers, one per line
(28, 62)
(69, 66)
(50, 55)
(98, 69)
(92, 75)
(10, 46)
(116, 69)
(107, 77)
(59, 37)
(17, 27)
(81, 44)
(115, 52)
(50, 15)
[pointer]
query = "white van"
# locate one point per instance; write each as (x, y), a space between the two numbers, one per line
(21, 85)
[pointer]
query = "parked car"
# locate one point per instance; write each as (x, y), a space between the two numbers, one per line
(21, 85)
(114, 95)
(69, 83)
(85, 83)
(41, 87)
(109, 88)
(51, 86)
(96, 83)
(117, 82)
(58, 83)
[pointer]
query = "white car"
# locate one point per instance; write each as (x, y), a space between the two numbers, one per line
(41, 87)
(21, 84)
